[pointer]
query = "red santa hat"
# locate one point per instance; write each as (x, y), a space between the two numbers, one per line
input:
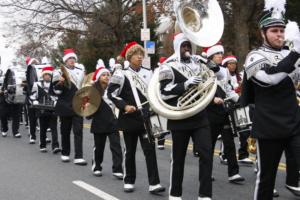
(98, 73)
(29, 60)
(130, 49)
(47, 70)
(69, 53)
(229, 58)
(209, 51)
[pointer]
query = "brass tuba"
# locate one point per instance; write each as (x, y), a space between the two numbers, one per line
(202, 23)
(86, 100)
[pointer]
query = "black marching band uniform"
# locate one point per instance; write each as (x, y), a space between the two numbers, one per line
(174, 74)
(104, 124)
(276, 122)
(63, 108)
(218, 116)
(42, 94)
(10, 108)
(31, 78)
(121, 94)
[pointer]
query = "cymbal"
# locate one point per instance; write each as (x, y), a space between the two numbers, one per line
(86, 101)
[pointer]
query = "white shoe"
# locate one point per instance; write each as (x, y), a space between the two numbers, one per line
(294, 190)
(4, 134)
(155, 189)
(79, 161)
(128, 187)
(246, 161)
(97, 173)
(18, 135)
(236, 178)
(48, 140)
(118, 175)
(31, 141)
(204, 198)
(43, 150)
(161, 147)
(48, 129)
(174, 198)
(65, 158)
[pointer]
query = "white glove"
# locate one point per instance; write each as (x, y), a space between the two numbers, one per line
(35, 102)
(296, 43)
(195, 80)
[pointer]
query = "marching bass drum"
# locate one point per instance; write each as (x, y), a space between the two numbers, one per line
(242, 119)
(158, 126)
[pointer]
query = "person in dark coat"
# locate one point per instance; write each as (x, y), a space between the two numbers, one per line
(104, 124)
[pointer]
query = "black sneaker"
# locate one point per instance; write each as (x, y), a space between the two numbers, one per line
(56, 150)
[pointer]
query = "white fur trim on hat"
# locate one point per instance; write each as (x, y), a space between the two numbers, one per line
(99, 73)
(215, 49)
(69, 55)
(47, 72)
(229, 58)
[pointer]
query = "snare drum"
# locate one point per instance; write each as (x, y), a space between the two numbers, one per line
(242, 119)
(158, 126)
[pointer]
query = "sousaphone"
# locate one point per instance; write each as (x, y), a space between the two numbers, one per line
(202, 23)
(86, 100)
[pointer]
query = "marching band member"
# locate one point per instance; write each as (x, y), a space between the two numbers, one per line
(31, 78)
(104, 125)
(122, 94)
(219, 118)
(268, 85)
(235, 81)
(63, 108)
(174, 82)
(10, 108)
(41, 94)
(161, 140)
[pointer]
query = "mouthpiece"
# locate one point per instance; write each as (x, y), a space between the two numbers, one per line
(187, 54)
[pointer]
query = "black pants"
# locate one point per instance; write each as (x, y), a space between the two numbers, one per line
(229, 146)
(292, 170)
(13, 111)
(131, 139)
(48, 121)
(115, 147)
(32, 115)
(67, 123)
(243, 150)
(202, 143)
(268, 156)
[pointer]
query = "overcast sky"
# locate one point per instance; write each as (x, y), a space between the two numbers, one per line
(6, 53)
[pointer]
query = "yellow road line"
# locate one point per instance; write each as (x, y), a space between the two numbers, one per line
(282, 166)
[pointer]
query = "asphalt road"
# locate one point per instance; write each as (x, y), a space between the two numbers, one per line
(27, 174)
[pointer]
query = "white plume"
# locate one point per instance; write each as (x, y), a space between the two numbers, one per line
(277, 5)
(100, 63)
(45, 60)
(292, 31)
(112, 62)
(166, 23)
